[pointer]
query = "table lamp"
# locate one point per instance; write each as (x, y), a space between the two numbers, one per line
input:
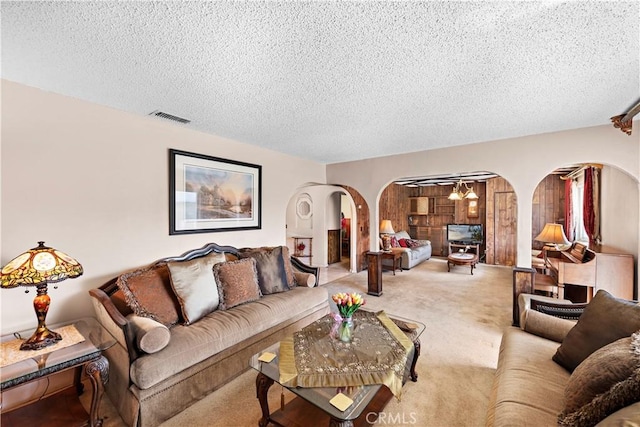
(38, 267)
(386, 230)
(552, 235)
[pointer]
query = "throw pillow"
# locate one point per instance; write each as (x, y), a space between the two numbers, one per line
(149, 294)
(291, 278)
(194, 285)
(237, 282)
(394, 242)
(272, 277)
(564, 311)
(403, 243)
(150, 336)
(412, 243)
(605, 319)
(605, 382)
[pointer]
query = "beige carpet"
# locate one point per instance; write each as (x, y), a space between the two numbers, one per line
(464, 317)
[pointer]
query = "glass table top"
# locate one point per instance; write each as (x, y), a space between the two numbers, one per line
(96, 339)
(320, 396)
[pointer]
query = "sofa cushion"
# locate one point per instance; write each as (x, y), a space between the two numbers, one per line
(403, 243)
(149, 294)
(194, 285)
(596, 376)
(270, 265)
(528, 386)
(150, 336)
(604, 320)
(237, 282)
(222, 329)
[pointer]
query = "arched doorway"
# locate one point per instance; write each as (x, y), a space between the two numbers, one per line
(495, 209)
(321, 218)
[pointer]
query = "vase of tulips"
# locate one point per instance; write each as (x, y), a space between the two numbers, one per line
(347, 303)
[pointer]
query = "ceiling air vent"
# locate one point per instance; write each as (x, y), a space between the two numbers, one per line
(168, 116)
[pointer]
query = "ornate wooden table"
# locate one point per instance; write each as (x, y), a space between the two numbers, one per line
(85, 356)
(312, 407)
(460, 258)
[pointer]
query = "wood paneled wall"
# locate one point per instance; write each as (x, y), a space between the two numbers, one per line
(363, 222)
(394, 206)
(547, 206)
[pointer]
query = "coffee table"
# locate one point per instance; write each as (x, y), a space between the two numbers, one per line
(313, 403)
(460, 258)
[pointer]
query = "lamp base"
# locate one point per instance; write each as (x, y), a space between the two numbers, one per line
(41, 338)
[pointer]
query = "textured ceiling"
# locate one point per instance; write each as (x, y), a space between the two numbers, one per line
(337, 81)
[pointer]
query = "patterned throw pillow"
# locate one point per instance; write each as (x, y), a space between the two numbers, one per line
(607, 380)
(149, 294)
(237, 282)
(394, 242)
(412, 243)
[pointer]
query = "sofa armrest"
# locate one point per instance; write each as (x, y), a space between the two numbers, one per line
(301, 266)
(114, 321)
(549, 305)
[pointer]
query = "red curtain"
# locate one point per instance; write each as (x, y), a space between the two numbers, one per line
(588, 210)
(569, 227)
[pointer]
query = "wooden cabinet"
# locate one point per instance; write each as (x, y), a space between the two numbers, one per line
(436, 235)
(419, 205)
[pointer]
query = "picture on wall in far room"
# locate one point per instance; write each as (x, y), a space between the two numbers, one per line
(209, 194)
(472, 208)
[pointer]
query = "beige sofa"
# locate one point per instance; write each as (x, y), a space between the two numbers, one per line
(157, 370)
(529, 386)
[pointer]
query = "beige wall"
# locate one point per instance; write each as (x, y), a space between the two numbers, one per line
(93, 182)
(524, 162)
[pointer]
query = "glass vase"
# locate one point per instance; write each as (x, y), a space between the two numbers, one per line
(345, 331)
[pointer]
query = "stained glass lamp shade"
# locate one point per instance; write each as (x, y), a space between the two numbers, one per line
(38, 267)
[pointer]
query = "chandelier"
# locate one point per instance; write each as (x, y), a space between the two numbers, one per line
(460, 193)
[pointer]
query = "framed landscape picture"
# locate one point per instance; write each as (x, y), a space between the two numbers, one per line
(209, 194)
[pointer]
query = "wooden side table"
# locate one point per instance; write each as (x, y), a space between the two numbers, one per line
(396, 261)
(59, 409)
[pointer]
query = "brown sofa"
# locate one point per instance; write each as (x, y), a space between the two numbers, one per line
(157, 368)
(531, 389)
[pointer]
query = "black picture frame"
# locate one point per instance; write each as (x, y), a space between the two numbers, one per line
(210, 194)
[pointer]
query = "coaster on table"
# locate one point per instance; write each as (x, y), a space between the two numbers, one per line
(341, 401)
(266, 357)
(405, 326)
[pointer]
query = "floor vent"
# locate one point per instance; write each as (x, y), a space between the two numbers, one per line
(168, 116)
